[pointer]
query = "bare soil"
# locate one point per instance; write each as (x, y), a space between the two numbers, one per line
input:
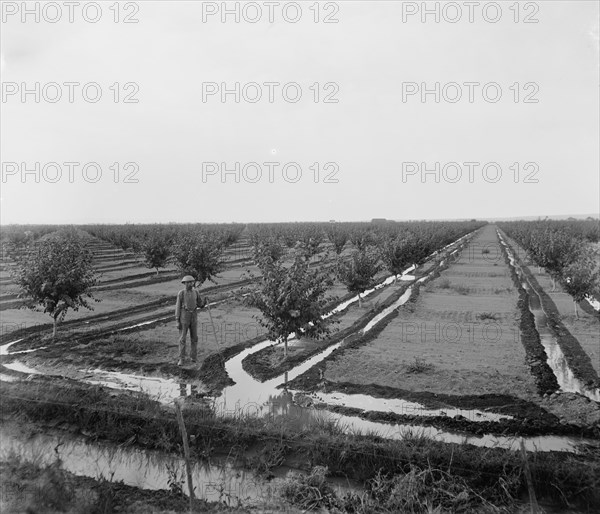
(460, 337)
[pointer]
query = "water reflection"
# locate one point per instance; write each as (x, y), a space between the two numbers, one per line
(191, 390)
(218, 480)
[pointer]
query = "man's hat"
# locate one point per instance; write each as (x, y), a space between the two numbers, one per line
(188, 278)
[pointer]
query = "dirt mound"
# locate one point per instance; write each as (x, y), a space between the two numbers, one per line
(573, 408)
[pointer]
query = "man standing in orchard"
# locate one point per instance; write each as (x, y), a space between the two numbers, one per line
(186, 309)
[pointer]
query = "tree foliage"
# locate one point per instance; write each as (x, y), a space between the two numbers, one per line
(268, 247)
(548, 245)
(199, 255)
(555, 249)
(57, 274)
(400, 251)
(291, 299)
(361, 238)
(580, 278)
(358, 272)
(310, 239)
(157, 250)
(338, 237)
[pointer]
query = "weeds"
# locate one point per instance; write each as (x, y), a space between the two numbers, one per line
(309, 491)
(104, 504)
(464, 290)
(176, 480)
(444, 283)
(32, 488)
(325, 425)
(270, 456)
(486, 315)
(421, 490)
(54, 490)
(419, 365)
(117, 345)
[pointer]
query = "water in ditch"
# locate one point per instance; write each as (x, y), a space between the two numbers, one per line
(556, 358)
(218, 480)
(249, 396)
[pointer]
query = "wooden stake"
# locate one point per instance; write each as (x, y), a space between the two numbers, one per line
(212, 322)
(532, 499)
(186, 452)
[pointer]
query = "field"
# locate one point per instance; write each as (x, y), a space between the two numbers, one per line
(452, 364)
(462, 329)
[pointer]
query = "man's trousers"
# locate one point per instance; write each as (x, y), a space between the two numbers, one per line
(189, 321)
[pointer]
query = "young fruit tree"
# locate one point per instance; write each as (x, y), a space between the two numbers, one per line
(361, 238)
(397, 253)
(557, 250)
(200, 256)
(292, 299)
(580, 278)
(57, 273)
(338, 237)
(157, 250)
(270, 246)
(358, 272)
(310, 239)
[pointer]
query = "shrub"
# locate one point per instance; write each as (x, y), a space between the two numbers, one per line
(424, 490)
(462, 289)
(444, 283)
(419, 365)
(309, 491)
(486, 315)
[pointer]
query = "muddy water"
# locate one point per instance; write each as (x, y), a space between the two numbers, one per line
(593, 302)
(5, 347)
(263, 399)
(218, 480)
(249, 390)
(556, 358)
(249, 396)
(284, 406)
(368, 403)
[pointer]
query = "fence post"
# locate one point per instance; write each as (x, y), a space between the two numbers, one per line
(186, 452)
(532, 498)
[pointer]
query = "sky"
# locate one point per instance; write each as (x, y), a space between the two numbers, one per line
(346, 110)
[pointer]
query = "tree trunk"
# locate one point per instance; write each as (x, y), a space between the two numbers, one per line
(359, 301)
(576, 311)
(157, 271)
(54, 329)
(285, 347)
(553, 283)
